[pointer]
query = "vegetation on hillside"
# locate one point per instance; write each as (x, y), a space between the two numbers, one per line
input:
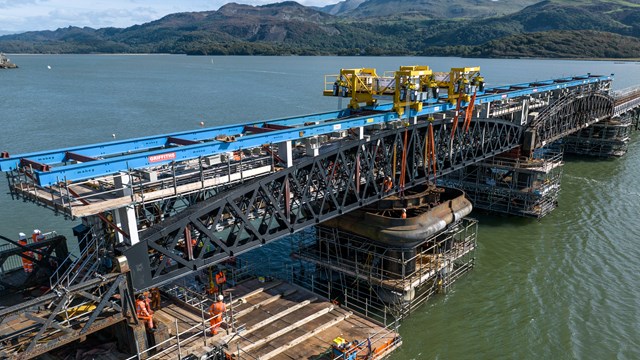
(551, 28)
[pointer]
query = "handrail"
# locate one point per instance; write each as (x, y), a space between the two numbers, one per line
(67, 277)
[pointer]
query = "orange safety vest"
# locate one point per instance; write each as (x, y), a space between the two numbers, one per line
(27, 265)
(387, 184)
(36, 237)
(221, 278)
(141, 309)
(217, 308)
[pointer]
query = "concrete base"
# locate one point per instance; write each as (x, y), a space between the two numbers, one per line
(128, 336)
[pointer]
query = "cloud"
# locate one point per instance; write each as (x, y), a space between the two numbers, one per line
(9, 4)
(27, 15)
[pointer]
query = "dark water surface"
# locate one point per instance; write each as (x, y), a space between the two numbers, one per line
(565, 287)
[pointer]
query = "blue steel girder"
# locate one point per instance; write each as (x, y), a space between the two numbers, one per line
(313, 190)
(569, 114)
(114, 157)
(112, 149)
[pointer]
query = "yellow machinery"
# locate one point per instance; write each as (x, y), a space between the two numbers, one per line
(410, 82)
(460, 83)
(410, 86)
(361, 85)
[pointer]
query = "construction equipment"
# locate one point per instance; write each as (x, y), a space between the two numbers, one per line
(460, 83)
(412, 85)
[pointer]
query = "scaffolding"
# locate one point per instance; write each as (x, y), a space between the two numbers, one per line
(609, 138)
(512, 184)
(381, 281)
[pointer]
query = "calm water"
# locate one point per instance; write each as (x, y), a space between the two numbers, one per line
(562, 288)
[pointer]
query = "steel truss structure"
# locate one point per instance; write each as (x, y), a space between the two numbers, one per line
(568, 114)
(35, 327)
(314, 190)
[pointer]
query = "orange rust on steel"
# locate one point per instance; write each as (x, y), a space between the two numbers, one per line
(102, 217)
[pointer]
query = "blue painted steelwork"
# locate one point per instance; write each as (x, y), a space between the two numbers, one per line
(153, 151)
(126, 147)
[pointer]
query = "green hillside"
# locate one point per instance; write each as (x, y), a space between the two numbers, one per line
(552, 28)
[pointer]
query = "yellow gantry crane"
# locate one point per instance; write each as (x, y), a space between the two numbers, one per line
(460, 83)
(410, 86)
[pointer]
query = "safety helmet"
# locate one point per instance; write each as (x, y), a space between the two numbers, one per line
(404, 210)
(220, 297)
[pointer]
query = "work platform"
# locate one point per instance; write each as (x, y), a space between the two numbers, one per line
(266, 319)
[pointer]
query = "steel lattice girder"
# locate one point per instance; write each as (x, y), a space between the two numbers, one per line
(313, 190)
(53, 329)
(570, 114)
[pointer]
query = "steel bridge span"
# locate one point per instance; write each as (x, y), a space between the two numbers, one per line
(182, 208)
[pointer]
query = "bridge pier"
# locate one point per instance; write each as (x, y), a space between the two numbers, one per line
(608, 138)
(373, 260)
(512, 182)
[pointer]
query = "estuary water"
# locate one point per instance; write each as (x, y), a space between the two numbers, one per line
(565, 287)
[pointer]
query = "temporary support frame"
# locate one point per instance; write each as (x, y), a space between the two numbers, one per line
(350, 269)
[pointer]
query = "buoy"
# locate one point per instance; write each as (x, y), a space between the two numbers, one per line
(49, 67)
(113, 136)
(202, 123)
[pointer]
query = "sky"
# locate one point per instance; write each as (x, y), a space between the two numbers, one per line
(26, 15)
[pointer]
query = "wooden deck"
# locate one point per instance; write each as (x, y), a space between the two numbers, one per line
(276, 321)
(97, 196)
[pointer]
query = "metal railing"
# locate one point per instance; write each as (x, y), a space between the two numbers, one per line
(72, 267)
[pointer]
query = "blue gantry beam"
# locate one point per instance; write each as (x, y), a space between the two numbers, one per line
(90, 161)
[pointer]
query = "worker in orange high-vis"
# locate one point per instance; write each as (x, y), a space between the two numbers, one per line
(216, 310)
(404, 214)
(221, 279)
(27, 265)
(147, 302)
(37, 237)
(155, 299)
(143, 314)
(387, 184)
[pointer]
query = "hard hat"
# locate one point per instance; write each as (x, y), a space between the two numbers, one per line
(22, 236)
(220, 297)
(36, 231)
(404, 210)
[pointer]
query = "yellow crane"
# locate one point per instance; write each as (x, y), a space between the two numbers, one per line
(410, 86)
(460, 83)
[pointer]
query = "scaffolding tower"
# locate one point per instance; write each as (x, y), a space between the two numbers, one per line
(605, 139)
(382, 281)
(513, 184)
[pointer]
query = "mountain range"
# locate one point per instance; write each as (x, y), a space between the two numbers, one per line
(473, 28)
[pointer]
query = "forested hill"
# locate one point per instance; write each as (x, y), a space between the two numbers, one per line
(475, 28)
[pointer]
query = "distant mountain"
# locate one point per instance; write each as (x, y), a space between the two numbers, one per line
(341, 8)
(551, 28)
(439, 9)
